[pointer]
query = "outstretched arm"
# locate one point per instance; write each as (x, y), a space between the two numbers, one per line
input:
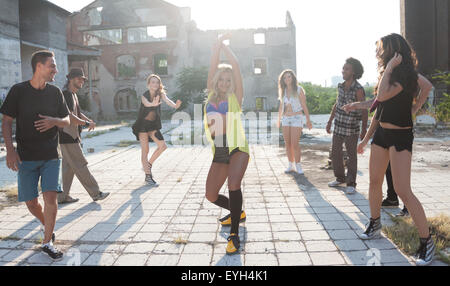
(213, 66)
(237, 76)
(170, 102)
(147, 103)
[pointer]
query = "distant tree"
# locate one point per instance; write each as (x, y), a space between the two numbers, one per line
(443, 107)
(321, 99)
(191, 85)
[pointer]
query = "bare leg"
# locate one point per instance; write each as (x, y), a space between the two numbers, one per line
(35, 209)
(236, 170)
(143, 139)
(401, 171)
(50, 212)
(287, 140)
(379, 159)
(161, 147)
(296, 133)
(216, 178)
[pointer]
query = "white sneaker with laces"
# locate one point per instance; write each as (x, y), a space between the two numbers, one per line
(290, 168)
(299, 168)
(350, 190)
(335, 184)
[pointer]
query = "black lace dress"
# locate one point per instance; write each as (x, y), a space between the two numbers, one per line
(149, 119)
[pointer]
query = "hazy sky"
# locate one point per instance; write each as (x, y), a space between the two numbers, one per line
(328, 31)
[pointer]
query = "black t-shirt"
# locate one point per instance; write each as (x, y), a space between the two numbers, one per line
(65, 138)
(397, 110)
(25, 103)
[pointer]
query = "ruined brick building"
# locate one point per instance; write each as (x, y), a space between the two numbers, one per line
(426, 25)
(27, 26)
(140, 37)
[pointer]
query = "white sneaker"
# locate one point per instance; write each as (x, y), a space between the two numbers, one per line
(290, 168)
(299, 168)
(335, 184)
(350, 190)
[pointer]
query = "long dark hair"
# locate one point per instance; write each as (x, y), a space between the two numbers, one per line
(387, 46)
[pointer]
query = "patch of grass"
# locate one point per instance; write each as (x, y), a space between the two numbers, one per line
(9, 238)
(96, 133)
(404, 234)
(114, 129)
(10, 192)
(126, 143)
(180, 240)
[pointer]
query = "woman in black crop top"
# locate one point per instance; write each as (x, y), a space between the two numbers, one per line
(148, 124)
(397, 86)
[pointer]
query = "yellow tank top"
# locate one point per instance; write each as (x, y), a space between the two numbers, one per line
(235, 131)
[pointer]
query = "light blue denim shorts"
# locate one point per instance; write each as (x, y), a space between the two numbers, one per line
(29, 174)
(293, 121)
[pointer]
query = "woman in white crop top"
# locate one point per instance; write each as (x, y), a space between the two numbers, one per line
(290, 115)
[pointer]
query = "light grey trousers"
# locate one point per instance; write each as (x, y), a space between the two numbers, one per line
(74, 163)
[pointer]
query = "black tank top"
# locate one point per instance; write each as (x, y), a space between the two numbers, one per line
(397, 110)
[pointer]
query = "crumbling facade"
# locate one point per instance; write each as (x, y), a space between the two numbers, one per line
(27, 26)
(140, 37)
(426, 25)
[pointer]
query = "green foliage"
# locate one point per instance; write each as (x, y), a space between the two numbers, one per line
(191, 84)
(443, 108)
(319, 99)
(126, 71)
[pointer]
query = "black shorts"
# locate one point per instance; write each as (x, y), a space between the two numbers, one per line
(401, 139)
(222, 152)
(145, 126)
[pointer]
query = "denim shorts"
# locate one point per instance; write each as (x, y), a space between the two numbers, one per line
(292, 121)
(29, 174)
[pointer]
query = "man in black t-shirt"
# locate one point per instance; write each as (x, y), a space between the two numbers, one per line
(39, 110)
(74, 162)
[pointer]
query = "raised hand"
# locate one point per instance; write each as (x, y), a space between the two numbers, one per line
(178, 104)
(224, 37)
(156, 101)
(92, 125)
(395, 61)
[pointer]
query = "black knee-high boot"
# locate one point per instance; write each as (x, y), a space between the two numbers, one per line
(235, 209)
(222, 202)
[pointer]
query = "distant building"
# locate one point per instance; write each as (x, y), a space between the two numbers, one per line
(141, 37)
(425, 24)
(25, 27)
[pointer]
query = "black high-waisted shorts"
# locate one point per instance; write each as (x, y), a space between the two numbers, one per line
(222, 152)
(401, 139)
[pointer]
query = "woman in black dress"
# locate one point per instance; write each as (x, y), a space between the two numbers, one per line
(148, 125)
